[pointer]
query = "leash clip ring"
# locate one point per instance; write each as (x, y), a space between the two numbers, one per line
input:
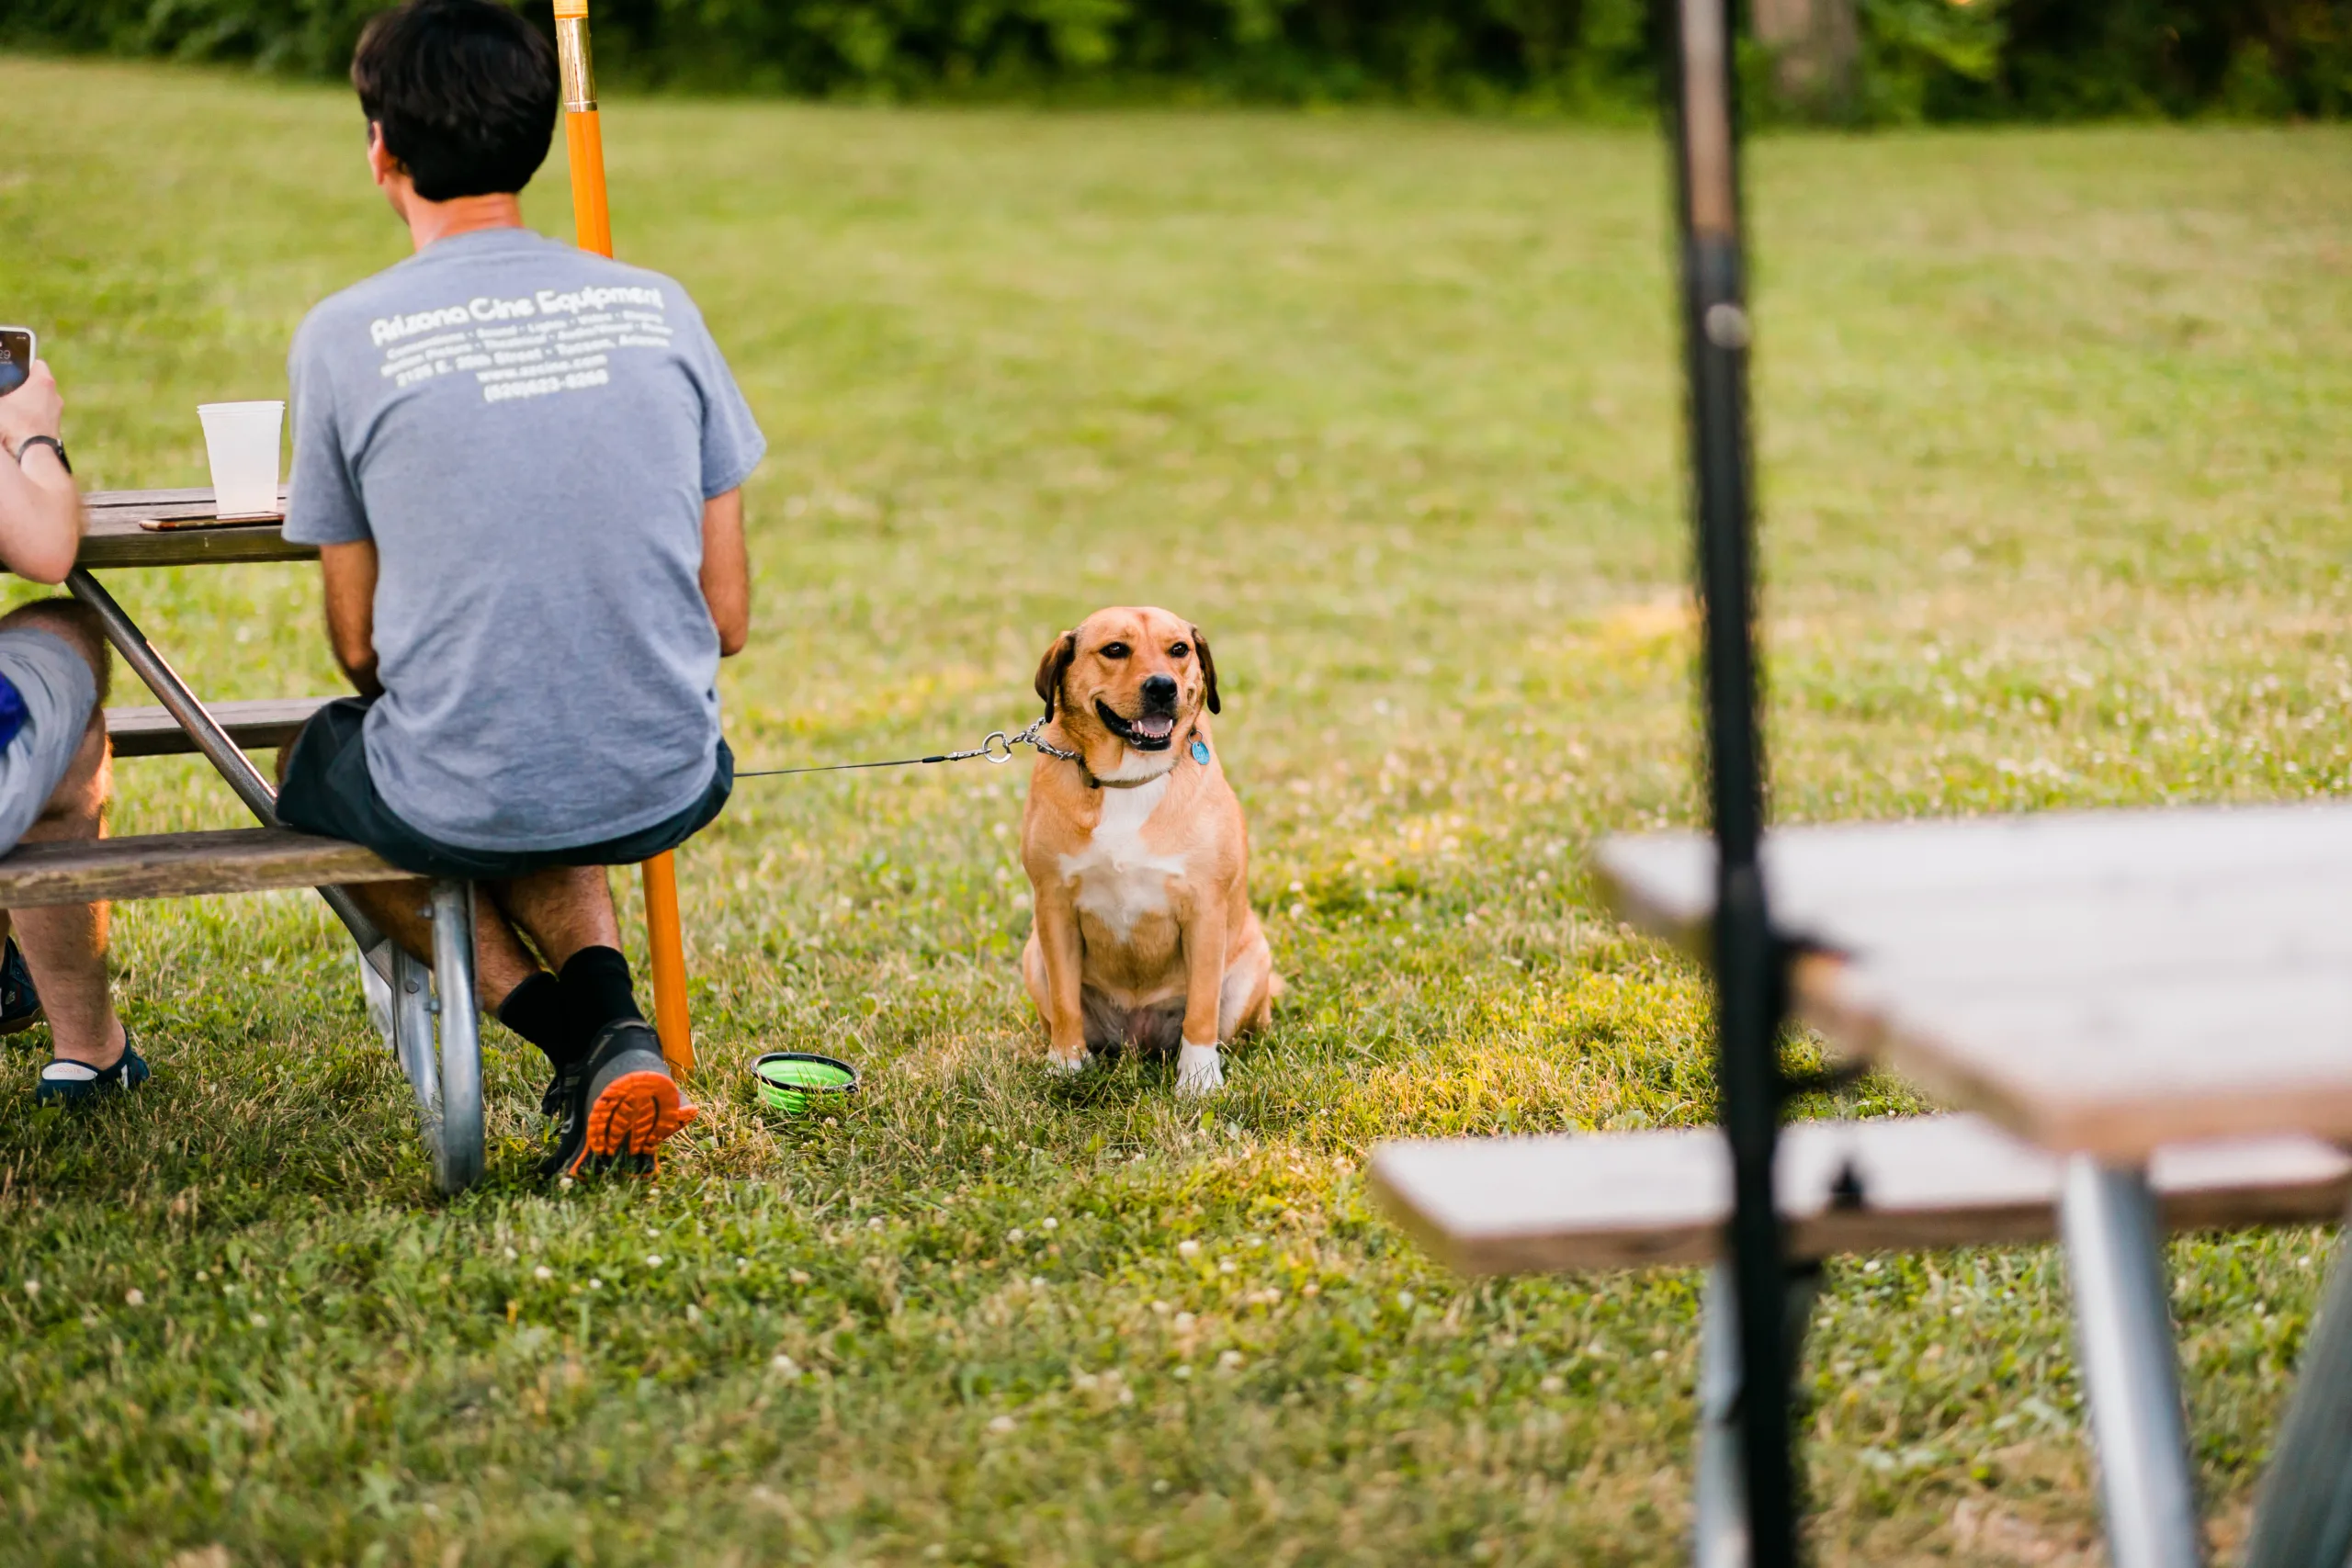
(997, 748)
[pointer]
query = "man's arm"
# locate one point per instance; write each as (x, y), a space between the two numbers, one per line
(350, 573)
(726, 571)
(40, 509)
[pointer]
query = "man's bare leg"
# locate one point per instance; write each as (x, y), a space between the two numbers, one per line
(501, 961)
(562, 909)
(65, 944)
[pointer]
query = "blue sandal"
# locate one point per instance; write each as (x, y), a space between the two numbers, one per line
(64, 1082)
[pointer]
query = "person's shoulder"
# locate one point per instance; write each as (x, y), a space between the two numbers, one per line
(649, 285)
(354, 305)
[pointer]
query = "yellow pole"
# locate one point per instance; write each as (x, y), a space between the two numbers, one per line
(592, 220)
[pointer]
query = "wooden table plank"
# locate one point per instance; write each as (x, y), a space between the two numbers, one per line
(1833, 878)
(1628, 1199)
(113, 537)
(175, 865)
(257, 726)
(2098, 982)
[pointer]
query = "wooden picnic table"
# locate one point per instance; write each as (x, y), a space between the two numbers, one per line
(438, 1048)
(2103, 985)
(114, 536)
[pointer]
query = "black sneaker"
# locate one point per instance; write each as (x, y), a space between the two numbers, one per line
(619, 1103)
(560, 1086)
(19, 1003)
(64, 1082)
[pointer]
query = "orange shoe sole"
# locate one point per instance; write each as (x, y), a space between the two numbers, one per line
(635, 1115)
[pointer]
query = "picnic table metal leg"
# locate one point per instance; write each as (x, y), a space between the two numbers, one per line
(1719, 1535)
(457, 1161)
(2303, 1513)
(1720, 1507)
(2125, 1345)
(227, 758)
(413, 1040)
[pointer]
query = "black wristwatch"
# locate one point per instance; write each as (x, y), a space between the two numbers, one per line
(52, 442)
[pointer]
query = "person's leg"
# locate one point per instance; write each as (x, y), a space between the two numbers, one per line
(615, 1102)
(503, 967)
(567, 911)
(64, 945)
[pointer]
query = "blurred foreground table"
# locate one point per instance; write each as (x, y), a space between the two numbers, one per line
(2102, 983)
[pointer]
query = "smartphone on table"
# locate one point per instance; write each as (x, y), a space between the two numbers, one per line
(17, 346)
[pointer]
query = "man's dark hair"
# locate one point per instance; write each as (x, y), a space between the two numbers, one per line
(465, 91)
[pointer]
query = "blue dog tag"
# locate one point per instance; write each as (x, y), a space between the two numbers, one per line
(1201, 752)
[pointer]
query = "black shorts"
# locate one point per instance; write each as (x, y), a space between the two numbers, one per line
(328, 791)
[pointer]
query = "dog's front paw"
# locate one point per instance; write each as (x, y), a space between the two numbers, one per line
(1069, 1065)
(1199, 1071)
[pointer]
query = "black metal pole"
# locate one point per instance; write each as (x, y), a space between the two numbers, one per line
(1715, 336)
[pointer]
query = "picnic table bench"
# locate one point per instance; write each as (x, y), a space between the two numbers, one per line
(438, 1047)
(2106, 984)
(1610, 1201)
(2152, 1012)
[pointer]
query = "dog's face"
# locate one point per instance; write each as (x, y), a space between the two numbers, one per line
(1138, 676)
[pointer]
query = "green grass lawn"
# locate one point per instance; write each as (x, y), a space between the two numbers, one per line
(2055, 459)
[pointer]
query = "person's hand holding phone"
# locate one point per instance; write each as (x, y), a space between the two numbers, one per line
(36, 408)
(41, 513)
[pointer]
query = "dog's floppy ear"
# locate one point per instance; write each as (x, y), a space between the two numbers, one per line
(1208, 667)
(1055, 666)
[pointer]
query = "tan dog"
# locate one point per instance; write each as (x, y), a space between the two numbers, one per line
(1138, 856)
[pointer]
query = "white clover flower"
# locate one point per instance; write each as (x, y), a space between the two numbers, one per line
(653, 1260)
(1016, 1236)
(1049, 1223)
(134, 1297)
(1188, 1249)
(1001, 1424)
(543, 1272)
(595, 1284)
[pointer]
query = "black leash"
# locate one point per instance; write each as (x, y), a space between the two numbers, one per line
(997, 749)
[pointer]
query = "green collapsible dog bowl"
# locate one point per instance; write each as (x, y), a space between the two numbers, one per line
(791, 1080)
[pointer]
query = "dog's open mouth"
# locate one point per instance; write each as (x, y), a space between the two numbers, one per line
(1145, 732)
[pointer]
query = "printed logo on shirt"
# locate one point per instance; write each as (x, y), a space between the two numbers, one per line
(528, 345)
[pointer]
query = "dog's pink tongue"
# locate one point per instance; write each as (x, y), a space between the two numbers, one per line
(1153, 725)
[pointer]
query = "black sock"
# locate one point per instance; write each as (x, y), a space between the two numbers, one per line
(534, 1011)
(596, 990)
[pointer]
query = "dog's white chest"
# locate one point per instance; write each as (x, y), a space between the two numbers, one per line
(1119, 879)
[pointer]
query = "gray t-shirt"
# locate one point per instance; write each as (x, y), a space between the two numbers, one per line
(528, 432)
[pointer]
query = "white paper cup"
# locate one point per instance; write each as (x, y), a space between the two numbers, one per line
(242, 441)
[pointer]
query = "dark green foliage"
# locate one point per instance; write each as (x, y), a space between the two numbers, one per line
(2076, 59)
(1922, 60)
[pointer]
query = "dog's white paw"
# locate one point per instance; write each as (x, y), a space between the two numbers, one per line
(1199, 1071)
(1069, 1066)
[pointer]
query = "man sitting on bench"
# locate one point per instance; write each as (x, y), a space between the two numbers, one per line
(53, 773)
(521, 463)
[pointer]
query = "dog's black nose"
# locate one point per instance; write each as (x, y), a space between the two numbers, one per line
(1160, 691)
